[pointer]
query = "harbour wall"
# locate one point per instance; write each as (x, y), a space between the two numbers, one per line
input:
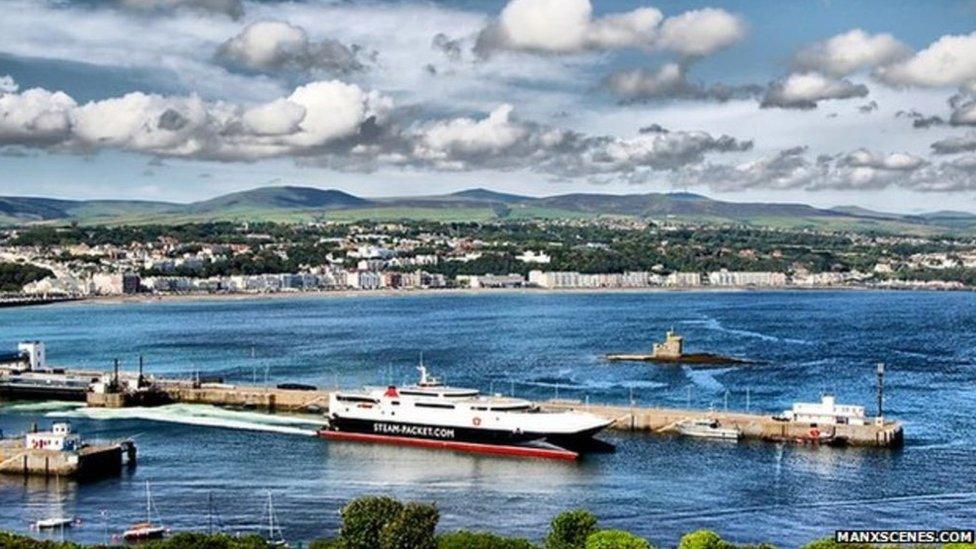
(91, 461)
(883, 433)
(877, 433)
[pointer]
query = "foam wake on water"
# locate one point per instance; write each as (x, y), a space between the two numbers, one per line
(706, 378)
(46, 406)
(714, 324)
(201, 415)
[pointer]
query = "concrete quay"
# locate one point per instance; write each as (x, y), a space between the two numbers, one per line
(91, 460)
(271, 399)
(875, 433)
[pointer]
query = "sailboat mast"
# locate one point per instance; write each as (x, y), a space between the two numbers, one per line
(271, 535)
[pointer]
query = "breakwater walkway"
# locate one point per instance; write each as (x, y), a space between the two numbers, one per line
(876, 432)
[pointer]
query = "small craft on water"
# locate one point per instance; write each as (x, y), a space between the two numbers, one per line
(275, 536)
(146, 530)
(54, 523)
(707, 428)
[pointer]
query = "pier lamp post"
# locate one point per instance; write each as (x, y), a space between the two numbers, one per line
(881, 372)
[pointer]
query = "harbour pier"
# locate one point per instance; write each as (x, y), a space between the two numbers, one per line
(60, 452)
(25, 375)
(873, 432)
(877, 432)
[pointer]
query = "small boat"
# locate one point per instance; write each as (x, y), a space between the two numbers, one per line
(275, 536)
(54, 522)
(815, 437)
(707, 428)
(145, 530)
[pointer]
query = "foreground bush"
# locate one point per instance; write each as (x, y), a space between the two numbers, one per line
(703, 539)
(178, 541)
(480, 540)
(205, 541)
(15, 541)
(570, 529)
(616, 539)
(364, 518)
(412, 528)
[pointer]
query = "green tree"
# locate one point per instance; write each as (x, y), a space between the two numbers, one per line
(616, 539)
(480, 540)
(363, 518)
(13, 276)
(703, 539)
(189, 540)
(412, 528)
(570, 529)
(326, 544)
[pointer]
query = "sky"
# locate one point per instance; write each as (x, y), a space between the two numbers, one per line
(868, 103)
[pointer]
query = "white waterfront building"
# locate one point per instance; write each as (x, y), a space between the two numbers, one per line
(826, 412)
(530, 256)
(746, 278)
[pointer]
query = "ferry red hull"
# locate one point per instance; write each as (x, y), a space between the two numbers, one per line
(472, 447)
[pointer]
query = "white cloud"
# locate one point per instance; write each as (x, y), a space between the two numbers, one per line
(312, 117)
(279, 117)
(955, 144)
(466, 136)
(963, 112)
(501, 141)
(277, 45)
(568, 26)
(863, 158)
(949, 61)
(701, 32)
(8, 84)
(860, 170)
(805, 90)
(35, 117)
(670, 81)
(850, 52)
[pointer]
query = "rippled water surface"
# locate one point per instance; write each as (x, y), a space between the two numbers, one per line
(536, 345)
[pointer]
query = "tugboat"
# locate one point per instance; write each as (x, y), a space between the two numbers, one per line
(434, 415)
(707, 428)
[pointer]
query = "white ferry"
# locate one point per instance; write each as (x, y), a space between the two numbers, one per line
(454, 417)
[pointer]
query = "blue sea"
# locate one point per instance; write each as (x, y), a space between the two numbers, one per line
(536, 345)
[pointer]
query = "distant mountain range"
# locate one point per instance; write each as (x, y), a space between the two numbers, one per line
(311, 204)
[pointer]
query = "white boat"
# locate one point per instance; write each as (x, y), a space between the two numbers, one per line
(275, 536)
(54, 522)
(430, 410)
(707, 428)
(145, 530)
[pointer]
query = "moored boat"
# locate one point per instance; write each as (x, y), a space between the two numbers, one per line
(141, 531)
(54, 522)
(707, 428)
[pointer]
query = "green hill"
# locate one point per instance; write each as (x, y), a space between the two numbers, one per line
(279, 198)
(302, 204)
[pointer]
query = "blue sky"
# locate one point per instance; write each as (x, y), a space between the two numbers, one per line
(828, 103)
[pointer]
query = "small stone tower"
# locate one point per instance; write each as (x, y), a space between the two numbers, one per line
(672, 347)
